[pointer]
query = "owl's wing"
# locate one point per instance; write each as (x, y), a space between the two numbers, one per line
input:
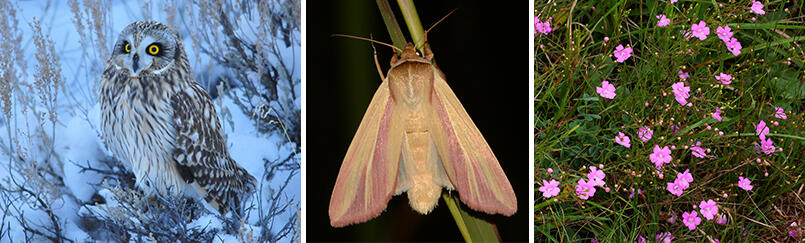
(201, 154)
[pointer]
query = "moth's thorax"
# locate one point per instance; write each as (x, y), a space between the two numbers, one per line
(411, 83)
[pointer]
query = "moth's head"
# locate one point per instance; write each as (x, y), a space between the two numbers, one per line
(410, 53)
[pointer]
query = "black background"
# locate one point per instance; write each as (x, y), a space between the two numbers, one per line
(483, 50)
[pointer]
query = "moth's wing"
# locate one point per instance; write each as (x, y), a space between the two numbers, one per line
(368, 174)
(470, 164)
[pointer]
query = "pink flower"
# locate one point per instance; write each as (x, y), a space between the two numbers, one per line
(793, 233)
(596, 177)
(606, 90)
(734, 46)
(674, 1)
(700, 30)
(542, 27)
(691, 219)
(709, 209)
(550, 170)
(761, 130)
(685, 178)
(722, 219)
(675, 188)
(767, 146)
(606, 39)
(640, 239)
(780, 113)
(683, 75)
(549, 189)
(665, 237)
(681, 92)
(757, 7)
(660, 156)
(744, 183)
(622, 53)
(697, 151)
(645, 133)
(724, 33)
(622, 139)
(724, 78)
(585, 190)
(717, 115)
(663, 21)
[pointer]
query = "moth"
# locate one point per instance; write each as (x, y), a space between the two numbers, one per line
(417, 138)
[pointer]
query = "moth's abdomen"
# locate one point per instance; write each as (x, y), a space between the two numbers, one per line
(420, 161)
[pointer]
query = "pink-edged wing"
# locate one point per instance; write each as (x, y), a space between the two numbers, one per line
(368, 175)
(470, 164)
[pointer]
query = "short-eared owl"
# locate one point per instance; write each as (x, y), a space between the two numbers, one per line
(156, 117)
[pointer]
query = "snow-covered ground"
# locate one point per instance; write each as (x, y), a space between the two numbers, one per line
(77, 129)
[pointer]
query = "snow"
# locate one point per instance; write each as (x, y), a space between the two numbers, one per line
(78, 144)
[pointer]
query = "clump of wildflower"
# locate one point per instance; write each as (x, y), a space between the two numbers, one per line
(780, 113)
(734, 46)
(549, 189)
(662, 20)
(698, 151)
(621, 53)
(622, 139)
(699, 30)
(684, 179)
(761, 129)
(724, 33)
(793, 233)
(660, 156)
(675, 188)
(691, 220)
(542, 27)
(767, 146)
(709, 209)
(645, 133)
(744, 183)
(596, 177)
(724, 78)
(606, 90)
(584, 189)
(717, 115)
(757, 7)
(722, 219)
(665, 237)
(683, 75)
(681, 92)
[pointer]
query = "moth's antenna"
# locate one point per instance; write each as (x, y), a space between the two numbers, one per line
(437, 22)
(369, 40)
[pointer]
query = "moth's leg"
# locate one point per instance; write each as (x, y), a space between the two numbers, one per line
(377, 63)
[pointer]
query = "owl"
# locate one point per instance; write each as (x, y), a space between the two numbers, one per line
(159, 120)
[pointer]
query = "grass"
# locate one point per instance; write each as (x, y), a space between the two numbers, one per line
(575, 126)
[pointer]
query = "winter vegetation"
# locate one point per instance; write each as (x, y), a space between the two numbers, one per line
(661, 121)
(58, 182)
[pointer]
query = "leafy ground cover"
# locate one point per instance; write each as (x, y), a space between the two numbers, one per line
(669, 121)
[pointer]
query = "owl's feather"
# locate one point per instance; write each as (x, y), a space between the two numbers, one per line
(201, 154)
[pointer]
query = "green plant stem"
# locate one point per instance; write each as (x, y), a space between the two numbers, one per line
(392, 26)
(412, 21)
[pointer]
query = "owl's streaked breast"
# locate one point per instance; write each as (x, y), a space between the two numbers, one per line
(139, 130)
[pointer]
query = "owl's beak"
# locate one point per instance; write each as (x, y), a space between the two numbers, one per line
(134, 63)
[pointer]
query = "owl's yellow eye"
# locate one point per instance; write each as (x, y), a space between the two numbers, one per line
(127, 47)
(153, 49)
